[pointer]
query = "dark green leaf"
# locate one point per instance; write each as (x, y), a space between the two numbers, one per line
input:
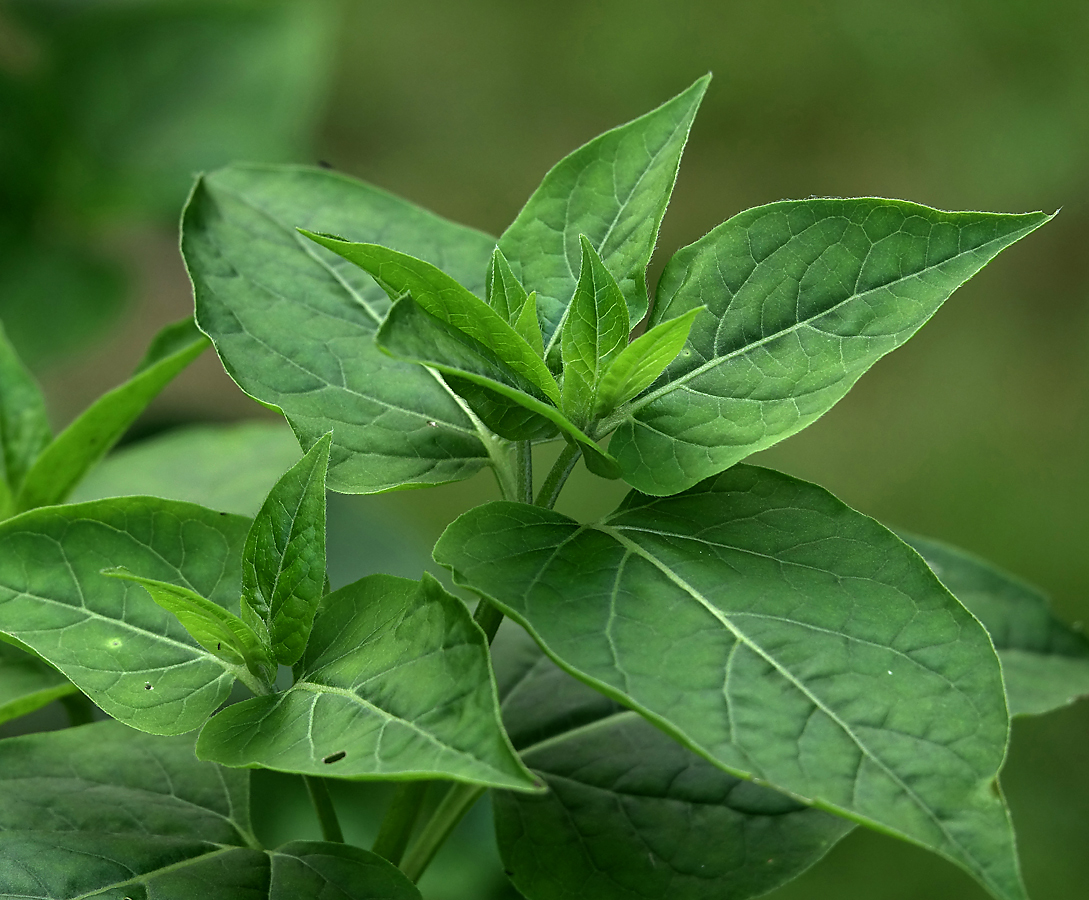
(504, 292)
(395, 683)
(294, 325)
(61, 465)
(1045, 663)
(528, 324)
(24, 425)
(804, 297)
(27, 683)
(781, 635)
(614, 190)
(630, 812)
(283, 565)
(130, 656)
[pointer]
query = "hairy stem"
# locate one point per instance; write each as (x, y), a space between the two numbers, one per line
(323, 806)
(524, 470)
(557, 476)
(452, 808)
(400, 820)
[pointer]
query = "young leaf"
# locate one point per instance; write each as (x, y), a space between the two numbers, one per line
(24, 425)
(629, 811)
(129, 655)
(614, 190)
(283, 565)
(528, 325)
(508, 298)
(294, 325)
(594, 334)
(804, 296)
(1045, 663)
(61, 465)
(779, 634)
(27, 683)
(395, 683)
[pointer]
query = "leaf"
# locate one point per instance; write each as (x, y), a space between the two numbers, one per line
(804, 296)
(614, 190)
(781, 635)
(226, 467)
(283, 564)
(630, 812)
(61, 465)
(294, 325)
(24, 425)
(394, 684)
(1045, 663)
(594, 334)
(27, 683)
(104, 811)
(130, 656)
(528, 324)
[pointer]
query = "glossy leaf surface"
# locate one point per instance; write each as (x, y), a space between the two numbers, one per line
(803, 297)
(780, 634)
(27, 683)
(61, 465)
(630, 812)
(395, 683)
(1045, 663)
(24, 425)
(130, 656)
(294, 325)
(614, 190)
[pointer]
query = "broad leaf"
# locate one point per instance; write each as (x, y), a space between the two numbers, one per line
(27, 683)
(804, 296)
(395, 683)
(614, 190)
(130, 656)
(24, 425)
(630, 812)
(781, 635)
(1045, 663)
(104, 811)
(61, 465)
(294, 325)
(283, 565)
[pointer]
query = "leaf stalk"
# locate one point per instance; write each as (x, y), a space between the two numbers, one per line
(459, 799)
(323, 806)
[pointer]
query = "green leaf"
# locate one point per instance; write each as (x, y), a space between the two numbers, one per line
(1045, 663)
(614, 190)
(129, 655)
(630, 812)
(61, 465)
(104, 811)
(395, 684)
(283, 565)
(27, 683)
(528, 325)
(507, 297)
(294, 325)
(781, 635)
(225, 467)
(804, 297)
(594, 334)
(24, 425)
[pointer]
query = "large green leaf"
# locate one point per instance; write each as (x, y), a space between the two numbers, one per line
(778, 633)
(804, 296)
(1045, 663)
(61, 465)
(294, 325)
(395, 683)
(614, 190)
(103, 811)
(27, 683)
(630, 812)
(130, 656)
(24, 425)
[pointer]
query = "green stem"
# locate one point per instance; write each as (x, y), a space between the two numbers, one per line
(323, 806)
(452, 808)
(557, 476)
(523, 460)
(400, 820)
(81, 711)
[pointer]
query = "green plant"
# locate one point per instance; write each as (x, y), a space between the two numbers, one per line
(710, 686)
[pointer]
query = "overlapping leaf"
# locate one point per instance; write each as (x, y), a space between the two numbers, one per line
(24, 425)
(27, 683)
(781, 635)
(803, 297)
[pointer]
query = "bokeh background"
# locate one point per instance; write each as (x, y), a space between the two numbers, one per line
(976, 432)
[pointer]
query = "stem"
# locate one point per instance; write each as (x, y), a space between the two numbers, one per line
(80, 709)
(400, 819)
(557, 476)
(323, 806)
(458, 801)
(523, 461)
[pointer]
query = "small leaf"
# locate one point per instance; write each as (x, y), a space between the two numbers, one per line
(24, 425)
(27, 683)
(528, 325)
(283, 565)
(61, 465)
(395, 683)
(1045, 663)
(505, 293)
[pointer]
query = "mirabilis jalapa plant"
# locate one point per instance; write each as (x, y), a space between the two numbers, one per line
(710, 686)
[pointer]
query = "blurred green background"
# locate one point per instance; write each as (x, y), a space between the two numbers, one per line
(976, 432)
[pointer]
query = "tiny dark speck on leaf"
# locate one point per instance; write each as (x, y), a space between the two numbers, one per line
(508, 873)
(147, 685)
(335, 757)
(219, 645)
(324, 164)
(223, 514)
